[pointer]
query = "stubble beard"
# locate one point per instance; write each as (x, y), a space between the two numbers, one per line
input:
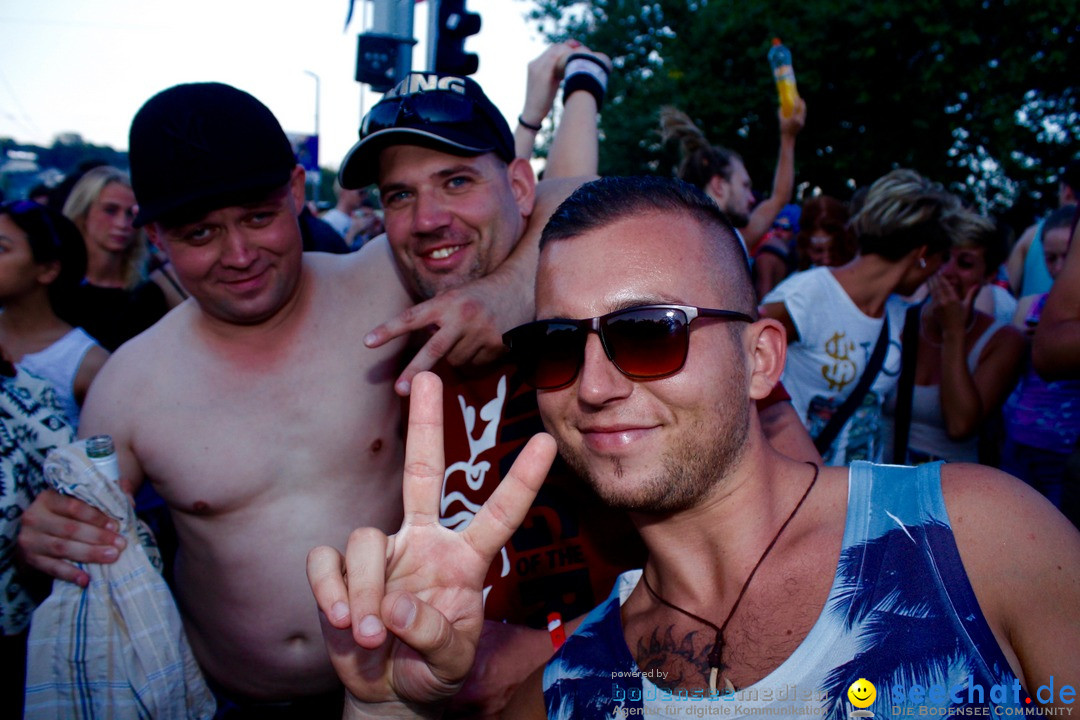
(704, 456)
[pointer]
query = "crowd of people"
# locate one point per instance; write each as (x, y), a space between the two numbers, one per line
(399, 408)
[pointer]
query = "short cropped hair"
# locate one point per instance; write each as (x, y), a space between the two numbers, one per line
(608, 200)
(902, 212)
(972, 230)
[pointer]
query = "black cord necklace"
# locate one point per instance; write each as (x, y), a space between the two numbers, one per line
(716, 655)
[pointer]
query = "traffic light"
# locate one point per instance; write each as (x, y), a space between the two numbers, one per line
(455, 24)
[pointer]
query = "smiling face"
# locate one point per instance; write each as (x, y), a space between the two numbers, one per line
(108, 225)
(862, 693)
(964, 269)
(657, 445)
(451, 219)
(241, 263)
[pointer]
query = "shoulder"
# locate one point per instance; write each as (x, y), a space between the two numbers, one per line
(370, 273)
(551, 193)
(1018, 550)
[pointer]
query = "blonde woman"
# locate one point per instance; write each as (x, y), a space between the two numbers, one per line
(116, 301)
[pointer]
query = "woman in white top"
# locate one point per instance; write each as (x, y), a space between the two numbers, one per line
(967, 362)
(42, 263)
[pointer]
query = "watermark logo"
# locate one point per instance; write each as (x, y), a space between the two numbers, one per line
(862, 695)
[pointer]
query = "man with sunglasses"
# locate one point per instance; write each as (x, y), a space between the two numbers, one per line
(771, 584)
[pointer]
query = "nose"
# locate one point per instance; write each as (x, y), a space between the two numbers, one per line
(237, 251)
(599, 381)
(430, 214)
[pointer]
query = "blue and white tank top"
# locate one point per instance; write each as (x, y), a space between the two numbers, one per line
(901, 614)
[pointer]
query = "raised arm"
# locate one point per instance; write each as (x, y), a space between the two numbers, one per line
(402, 614)
(1055, 350)
(575, 148)
(763, 214)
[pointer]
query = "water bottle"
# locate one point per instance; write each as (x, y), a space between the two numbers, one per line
(102, 452)
(780, 59)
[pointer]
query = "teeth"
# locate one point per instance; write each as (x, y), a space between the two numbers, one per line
(442, 253)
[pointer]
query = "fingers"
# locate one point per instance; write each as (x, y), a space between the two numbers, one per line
(506, 508)
(416, 317)
(424, 462)
(365, 564)
(57, 530)
(324, 571)
(448, 652)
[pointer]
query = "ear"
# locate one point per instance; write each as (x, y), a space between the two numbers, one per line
(522, 185)
(297, 188)
(717, 189)
(153, 233)
(766, 344)
(48, 272)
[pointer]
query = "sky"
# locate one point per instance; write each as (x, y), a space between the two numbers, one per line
(86, 66)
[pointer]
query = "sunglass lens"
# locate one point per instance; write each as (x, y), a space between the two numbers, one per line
(647, 343)
(548, 354)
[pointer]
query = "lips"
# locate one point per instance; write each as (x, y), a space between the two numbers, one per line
(614, 438)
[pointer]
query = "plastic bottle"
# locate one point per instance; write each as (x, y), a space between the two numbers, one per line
(102, 452)
(780, 59)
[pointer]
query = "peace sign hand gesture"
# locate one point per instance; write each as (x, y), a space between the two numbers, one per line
(402, 614)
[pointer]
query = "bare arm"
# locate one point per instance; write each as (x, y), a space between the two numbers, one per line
(1014, 266)
(763, 214)
(1055, 351)
(968, 398)
(58, 530)
(1023, 560)
(542, 85)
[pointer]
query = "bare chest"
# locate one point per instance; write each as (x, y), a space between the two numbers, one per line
(217, 435)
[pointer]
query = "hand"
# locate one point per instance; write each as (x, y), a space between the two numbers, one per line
(468, 325)
(545, 76)
(402, 614)
(58, 530)
(790, 126)
(951, 310)
(506, 655)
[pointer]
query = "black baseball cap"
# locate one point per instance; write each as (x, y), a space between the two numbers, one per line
(444, 112)
(197, 147)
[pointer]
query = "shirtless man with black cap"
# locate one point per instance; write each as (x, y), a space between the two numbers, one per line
(253, 408)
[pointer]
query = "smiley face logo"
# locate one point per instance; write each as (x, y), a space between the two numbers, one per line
(862, 693)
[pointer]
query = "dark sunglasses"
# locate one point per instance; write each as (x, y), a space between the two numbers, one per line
(435, 108)
(643, 343)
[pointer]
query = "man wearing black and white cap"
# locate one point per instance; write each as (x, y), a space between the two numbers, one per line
(254, 408)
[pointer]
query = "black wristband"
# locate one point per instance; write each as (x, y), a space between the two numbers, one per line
(528, 125)
(588, 73)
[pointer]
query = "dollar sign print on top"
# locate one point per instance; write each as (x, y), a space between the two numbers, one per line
(836, 340)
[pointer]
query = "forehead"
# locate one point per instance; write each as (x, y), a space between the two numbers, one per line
(1056, 240)
(656, 257)
(403, 163)
(116, 192)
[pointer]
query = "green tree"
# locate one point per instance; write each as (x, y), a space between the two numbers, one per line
(979, 95)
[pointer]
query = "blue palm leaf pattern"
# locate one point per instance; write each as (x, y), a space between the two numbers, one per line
(894, 609)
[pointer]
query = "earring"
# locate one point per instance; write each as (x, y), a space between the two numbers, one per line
(922, 263)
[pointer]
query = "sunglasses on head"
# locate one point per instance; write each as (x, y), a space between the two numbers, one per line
(436, 108)
(643, 343)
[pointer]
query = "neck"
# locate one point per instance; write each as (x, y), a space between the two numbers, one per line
(106, 269)
(869, 280)
(704, 554)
